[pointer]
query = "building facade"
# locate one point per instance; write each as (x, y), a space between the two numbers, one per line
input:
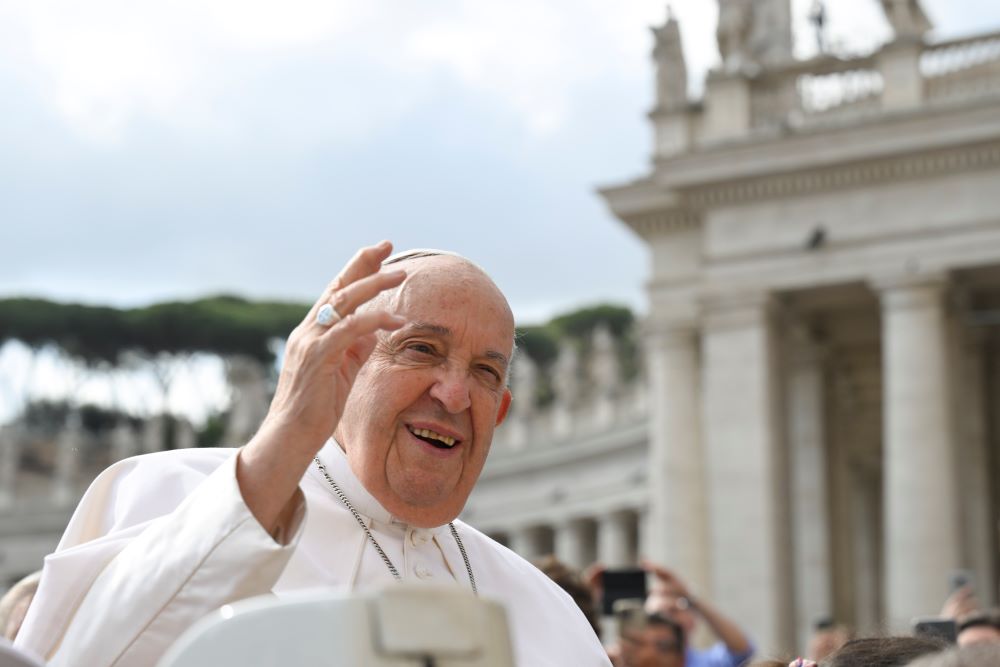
(819, 435)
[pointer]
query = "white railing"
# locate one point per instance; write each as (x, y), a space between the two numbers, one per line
(962, 69)
(848, 93)
(555, 426)
(821, 90)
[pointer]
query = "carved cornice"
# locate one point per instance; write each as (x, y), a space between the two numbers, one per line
(654, 223)
(962, 158)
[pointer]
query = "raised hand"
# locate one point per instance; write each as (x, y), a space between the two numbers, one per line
(322, 359)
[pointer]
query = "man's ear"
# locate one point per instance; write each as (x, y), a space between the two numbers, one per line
(504, 406)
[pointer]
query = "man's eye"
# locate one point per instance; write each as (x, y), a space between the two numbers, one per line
(492, 372)
(420, 348)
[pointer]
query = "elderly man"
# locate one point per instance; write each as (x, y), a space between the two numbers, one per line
(379, 428)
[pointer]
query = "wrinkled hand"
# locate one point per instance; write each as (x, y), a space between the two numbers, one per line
(321, 362)
(667, 580)
(960, 604)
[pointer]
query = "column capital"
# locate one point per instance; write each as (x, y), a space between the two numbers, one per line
(737, 309)
(910, 288)
(670, 330)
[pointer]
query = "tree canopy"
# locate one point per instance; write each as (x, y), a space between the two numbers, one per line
(229, 325)
(224, 325)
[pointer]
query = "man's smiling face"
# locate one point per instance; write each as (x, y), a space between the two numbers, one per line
(419, 420)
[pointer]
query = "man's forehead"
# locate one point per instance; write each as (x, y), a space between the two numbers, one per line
(452, 275)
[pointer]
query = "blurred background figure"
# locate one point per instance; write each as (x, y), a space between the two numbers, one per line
(571, 581)
(652, 641)
(979, 627)
(827, 638)
(894, 651)
(671, 599)
(974, 655)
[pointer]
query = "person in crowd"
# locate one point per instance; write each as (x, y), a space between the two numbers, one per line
(670, 597)
(960, 603)
(982, 654)
(570, 581)
(972, 623)
(657, 642)
(14, 604)
(827, 637)
(896, 651)
(979, 627)
(381, 422)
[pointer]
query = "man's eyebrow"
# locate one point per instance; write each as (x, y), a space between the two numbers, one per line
(430, 328)
(498, 357)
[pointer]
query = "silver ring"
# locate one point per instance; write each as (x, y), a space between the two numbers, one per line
(327, 315)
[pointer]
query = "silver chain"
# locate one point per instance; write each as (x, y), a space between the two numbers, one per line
(378, 547)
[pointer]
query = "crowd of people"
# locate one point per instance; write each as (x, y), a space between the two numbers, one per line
(659, 631)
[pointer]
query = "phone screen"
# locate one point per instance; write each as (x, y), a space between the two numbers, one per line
(936, 628)
(627, 584)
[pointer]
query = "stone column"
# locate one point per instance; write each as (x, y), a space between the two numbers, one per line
(572, 543)
(974, 464)
(921, 517)
(123, 441)
(605, 373)
(528, 542)
(185, 436)
(10, 460)
(899, 64)
(613, 538)
(678, 521)
(566, 383)
(153, 433)
(67, 458)
(805, 421)
(747, 471)
(524, 386)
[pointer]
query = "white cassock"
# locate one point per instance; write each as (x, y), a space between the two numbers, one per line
(160, 540)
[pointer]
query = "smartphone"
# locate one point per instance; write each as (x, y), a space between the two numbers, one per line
(936, 628)
(624, 584)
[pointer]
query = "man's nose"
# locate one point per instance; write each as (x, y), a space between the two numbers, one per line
(451, 390)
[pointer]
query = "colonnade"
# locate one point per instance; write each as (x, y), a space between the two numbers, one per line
(611, 538)
(739, 498)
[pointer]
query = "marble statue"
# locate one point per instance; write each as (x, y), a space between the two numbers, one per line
(671, 68)
(906, 17)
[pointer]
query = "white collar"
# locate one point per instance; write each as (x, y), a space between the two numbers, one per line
(333, 457)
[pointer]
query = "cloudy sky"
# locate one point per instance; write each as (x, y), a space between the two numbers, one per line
(177, 149)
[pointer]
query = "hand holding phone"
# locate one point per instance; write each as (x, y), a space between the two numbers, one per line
(623, 584)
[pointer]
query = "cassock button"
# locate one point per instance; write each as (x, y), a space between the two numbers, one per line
(419, 538)
(422, 572)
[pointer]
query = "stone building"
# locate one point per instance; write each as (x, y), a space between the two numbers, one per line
(820, 435)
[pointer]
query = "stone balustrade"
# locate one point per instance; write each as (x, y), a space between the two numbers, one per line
(962, 69)
(904, 75)
(590, 396)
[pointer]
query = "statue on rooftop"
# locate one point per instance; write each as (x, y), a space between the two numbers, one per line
(671, 68)
(754, 34)
(906, 17)
(733, 33)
